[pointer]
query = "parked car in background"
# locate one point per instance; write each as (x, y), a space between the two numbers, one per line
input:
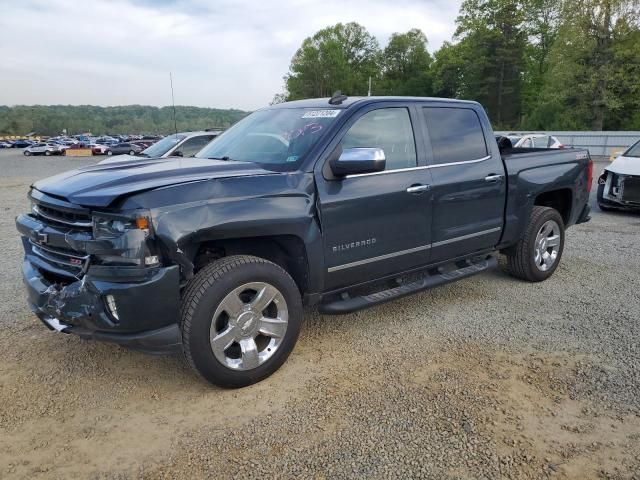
(535, 141)
(98, 149)
(44, 149)
(143, 143)
(5, 144)
(185, 144)
(123, 149)
(619, 183)
(22, 143)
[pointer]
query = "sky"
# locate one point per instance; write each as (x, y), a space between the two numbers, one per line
(222, 53)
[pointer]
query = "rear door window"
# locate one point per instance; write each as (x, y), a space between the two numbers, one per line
(456, 134)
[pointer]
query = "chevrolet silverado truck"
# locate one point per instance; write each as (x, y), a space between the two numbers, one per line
(341, 203)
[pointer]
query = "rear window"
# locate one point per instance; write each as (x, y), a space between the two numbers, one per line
(456, 134)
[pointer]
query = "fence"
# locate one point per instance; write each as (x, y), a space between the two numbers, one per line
(602, 144)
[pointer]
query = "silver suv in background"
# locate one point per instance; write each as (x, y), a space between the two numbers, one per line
(44, 149)
(185, 144)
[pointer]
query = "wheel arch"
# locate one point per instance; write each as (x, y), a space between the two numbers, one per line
(287, 251)
(560, 200)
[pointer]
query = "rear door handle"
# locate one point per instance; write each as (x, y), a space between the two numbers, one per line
(418, 188)
(493, 178)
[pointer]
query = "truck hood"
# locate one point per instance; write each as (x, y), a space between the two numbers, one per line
(100, 185)
(625, 166)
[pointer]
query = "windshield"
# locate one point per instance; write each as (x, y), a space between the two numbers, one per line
(163, 146)
(634, 151)
(280, 136)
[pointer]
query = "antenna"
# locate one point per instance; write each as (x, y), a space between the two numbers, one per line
(173, 102)
(369, 92)
(337, 98)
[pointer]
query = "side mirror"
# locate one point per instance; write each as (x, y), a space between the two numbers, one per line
(358, 160)
(177, 153)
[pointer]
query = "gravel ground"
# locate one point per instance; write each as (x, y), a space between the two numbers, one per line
(489, 377)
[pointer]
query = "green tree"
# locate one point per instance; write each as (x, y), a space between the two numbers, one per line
(590, 83)
(447, 70)
(405, 64)
(541, 22)
(492, 48)
(342, 57)
(51, 120)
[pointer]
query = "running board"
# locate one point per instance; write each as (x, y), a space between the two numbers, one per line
(352, 304)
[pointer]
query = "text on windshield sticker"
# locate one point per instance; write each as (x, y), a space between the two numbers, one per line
(321, 114)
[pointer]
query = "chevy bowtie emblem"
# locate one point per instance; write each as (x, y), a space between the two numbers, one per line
(39, 237)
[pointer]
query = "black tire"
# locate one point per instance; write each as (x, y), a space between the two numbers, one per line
(132, 153)
(47, 153)
(202, 297)
(109, 152)
(521, 259)
(27, 153)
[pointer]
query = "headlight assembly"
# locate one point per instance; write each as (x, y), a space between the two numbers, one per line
(106, 225)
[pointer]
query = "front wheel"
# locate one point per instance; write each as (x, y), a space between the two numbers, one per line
(241, 317)
(27, 153)
(109, 152)
(47, 153)
(537, 255)
(132, 153)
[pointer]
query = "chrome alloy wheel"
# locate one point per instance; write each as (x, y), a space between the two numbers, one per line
(249, 326)
(547, 245)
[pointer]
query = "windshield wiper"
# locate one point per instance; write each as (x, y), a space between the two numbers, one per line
(225, 158)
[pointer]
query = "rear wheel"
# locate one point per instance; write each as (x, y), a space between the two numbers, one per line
(47, 153)
(241, 318)
(109, 152)
(538, 253)
(27, 153)
(132, 153)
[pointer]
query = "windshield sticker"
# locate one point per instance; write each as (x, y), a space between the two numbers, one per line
(321, 114)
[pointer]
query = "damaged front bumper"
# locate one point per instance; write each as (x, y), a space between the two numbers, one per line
(619, 191)
(135, 306)
(147, 310)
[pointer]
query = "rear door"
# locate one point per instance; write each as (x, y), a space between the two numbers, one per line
(376, 224)
(469, 186)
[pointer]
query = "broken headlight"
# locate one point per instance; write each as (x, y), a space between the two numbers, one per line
(107, 225)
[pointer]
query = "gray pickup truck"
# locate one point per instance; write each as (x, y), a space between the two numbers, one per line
(340, 203)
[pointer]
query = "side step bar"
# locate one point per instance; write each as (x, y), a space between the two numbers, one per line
(352, 304)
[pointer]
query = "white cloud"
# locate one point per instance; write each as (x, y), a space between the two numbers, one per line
(222, 54)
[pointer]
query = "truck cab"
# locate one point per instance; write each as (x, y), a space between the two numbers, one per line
(340, 203)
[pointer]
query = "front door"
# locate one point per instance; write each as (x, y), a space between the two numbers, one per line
(377, 224)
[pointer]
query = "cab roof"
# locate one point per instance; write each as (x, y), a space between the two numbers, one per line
(350, 101)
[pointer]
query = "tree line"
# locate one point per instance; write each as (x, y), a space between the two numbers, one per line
(132, 119)
(533, 64)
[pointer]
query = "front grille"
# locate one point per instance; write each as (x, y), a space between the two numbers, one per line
(65, 219)
(631, 189)
(62, 217)
(67, 259)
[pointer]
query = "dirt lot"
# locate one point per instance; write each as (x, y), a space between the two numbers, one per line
(486, 378)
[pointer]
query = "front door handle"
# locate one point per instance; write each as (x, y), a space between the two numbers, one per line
(418, 188)
(493, 178)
